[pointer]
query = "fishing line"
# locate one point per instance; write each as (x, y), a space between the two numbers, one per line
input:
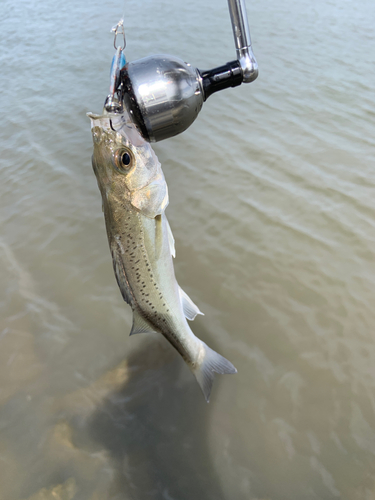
(123, 12)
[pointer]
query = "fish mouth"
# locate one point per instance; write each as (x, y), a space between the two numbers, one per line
(105, 117)
(109, 121)
(117, 122)
(94, 116)
(106, 114)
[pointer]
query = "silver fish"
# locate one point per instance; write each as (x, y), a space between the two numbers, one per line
(135, 196)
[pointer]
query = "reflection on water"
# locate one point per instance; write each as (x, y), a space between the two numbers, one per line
(156, 432)
(273, 213)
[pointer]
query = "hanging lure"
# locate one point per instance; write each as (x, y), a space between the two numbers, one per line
(113, 103)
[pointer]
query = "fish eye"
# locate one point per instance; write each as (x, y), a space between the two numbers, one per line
(123, 160)
(126, 159)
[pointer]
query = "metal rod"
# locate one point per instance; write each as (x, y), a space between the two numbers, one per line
(242, 40)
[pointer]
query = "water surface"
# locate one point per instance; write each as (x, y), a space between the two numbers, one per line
(272, 209)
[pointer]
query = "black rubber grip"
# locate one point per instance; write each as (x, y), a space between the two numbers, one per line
(229, 75)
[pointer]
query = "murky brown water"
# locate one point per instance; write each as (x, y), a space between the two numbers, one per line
(273, 212)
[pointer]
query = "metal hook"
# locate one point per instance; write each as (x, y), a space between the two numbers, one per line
(119, 30)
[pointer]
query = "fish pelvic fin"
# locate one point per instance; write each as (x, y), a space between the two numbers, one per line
(140, 325)
(210, 363)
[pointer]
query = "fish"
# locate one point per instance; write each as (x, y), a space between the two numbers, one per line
(134, 198)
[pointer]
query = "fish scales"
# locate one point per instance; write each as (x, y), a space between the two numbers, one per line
(135, 195)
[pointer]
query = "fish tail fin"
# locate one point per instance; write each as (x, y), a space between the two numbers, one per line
(211, 363)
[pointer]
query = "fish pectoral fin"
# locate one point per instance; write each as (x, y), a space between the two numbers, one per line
(171, 240)
(158, 237)
(188, 306)
(140, 325)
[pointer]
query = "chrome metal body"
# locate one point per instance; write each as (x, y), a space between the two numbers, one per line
(164, 93)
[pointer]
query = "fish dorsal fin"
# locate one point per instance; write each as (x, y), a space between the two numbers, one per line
(118, 267)
(171, 240)
(188, 306)
(140, 325)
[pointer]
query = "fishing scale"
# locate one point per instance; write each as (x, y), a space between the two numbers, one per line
(163, 94)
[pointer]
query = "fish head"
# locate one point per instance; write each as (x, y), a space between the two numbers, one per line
(125, 164)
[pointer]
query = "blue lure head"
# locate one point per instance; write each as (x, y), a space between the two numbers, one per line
(113, 103)
(118, 62)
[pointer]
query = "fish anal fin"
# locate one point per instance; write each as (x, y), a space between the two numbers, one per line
(188, 306)
(210, 363)
(140, 325)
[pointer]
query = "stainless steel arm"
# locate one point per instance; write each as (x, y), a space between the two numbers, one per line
(242, 40)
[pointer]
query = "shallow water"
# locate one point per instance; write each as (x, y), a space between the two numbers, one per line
(272, 209)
